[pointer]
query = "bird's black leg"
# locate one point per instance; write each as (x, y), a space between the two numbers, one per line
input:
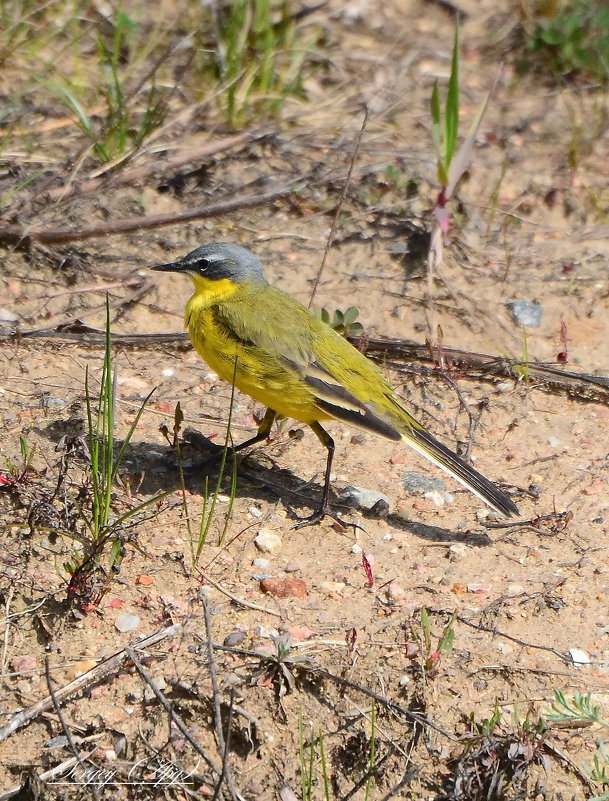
(264, 429)
(324, 510)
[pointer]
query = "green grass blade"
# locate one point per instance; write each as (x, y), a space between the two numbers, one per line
(452, 106)
(127, 440)
(371, 751)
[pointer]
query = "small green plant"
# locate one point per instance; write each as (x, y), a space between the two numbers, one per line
(259, 58)
(371, 753)
(123, 128)
(343, 322)
(313, 750)
(430, 655)
(274, 669)
(579, 707)
(308, 759)
(451, 163)
(497, 757)
(99, 72)
(573, 38)
(599, 772)
(16, 473)
(102, 545)
(582, 707)
(521, 367)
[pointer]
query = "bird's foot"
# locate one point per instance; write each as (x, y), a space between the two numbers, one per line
(319, 515)
(205, 446)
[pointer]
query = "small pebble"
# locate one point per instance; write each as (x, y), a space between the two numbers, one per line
(7, 316)
(261, 563)
(525, 312)
(435, 497)
(293, 567)
(359, 498)
(159, 683)
(167, 372)
(254, 511)
(79, 668)
(267, 634)
(579, 657)
(233, 639)
(301, 633)
(357, 549)
(396, 593)
(458, 551)
(57, 742)
(127, 622)
(23, 664)
(285, 588)
(332, 587)
(419, 484)
(553, 442)
(268, 541)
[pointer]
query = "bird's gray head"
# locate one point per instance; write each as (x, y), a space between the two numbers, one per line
(218, 260)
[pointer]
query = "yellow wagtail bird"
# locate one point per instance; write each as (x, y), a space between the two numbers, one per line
(280, 354)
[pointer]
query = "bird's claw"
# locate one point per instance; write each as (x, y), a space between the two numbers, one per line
(319, 515)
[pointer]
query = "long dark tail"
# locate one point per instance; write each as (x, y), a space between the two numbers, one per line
(423, 442)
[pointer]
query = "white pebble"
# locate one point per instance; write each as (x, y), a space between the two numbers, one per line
(436, 497)
(261, 563)
(167, 372)
(355, 548)
(267, 634)
(268, 541)
(127, 622)
(553, 442)
(254, 511)
(579, 657)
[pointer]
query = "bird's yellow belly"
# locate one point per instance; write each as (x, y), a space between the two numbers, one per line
(257, 375)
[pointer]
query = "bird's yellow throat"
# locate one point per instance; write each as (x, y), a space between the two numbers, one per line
(207, 293)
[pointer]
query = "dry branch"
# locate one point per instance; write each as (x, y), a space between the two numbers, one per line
(391, 352)
(24, 237)
(153, 168)
(110, 665)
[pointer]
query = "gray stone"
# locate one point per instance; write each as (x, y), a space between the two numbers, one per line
(526, 312)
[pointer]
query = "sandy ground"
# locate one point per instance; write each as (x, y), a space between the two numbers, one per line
(528, 227)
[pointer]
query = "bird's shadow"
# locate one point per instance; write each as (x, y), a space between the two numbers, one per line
(261, 479)
(156, 467)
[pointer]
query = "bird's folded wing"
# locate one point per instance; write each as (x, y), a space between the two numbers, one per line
(292, 348)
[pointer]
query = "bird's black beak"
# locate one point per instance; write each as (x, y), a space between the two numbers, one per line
(172, 267)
